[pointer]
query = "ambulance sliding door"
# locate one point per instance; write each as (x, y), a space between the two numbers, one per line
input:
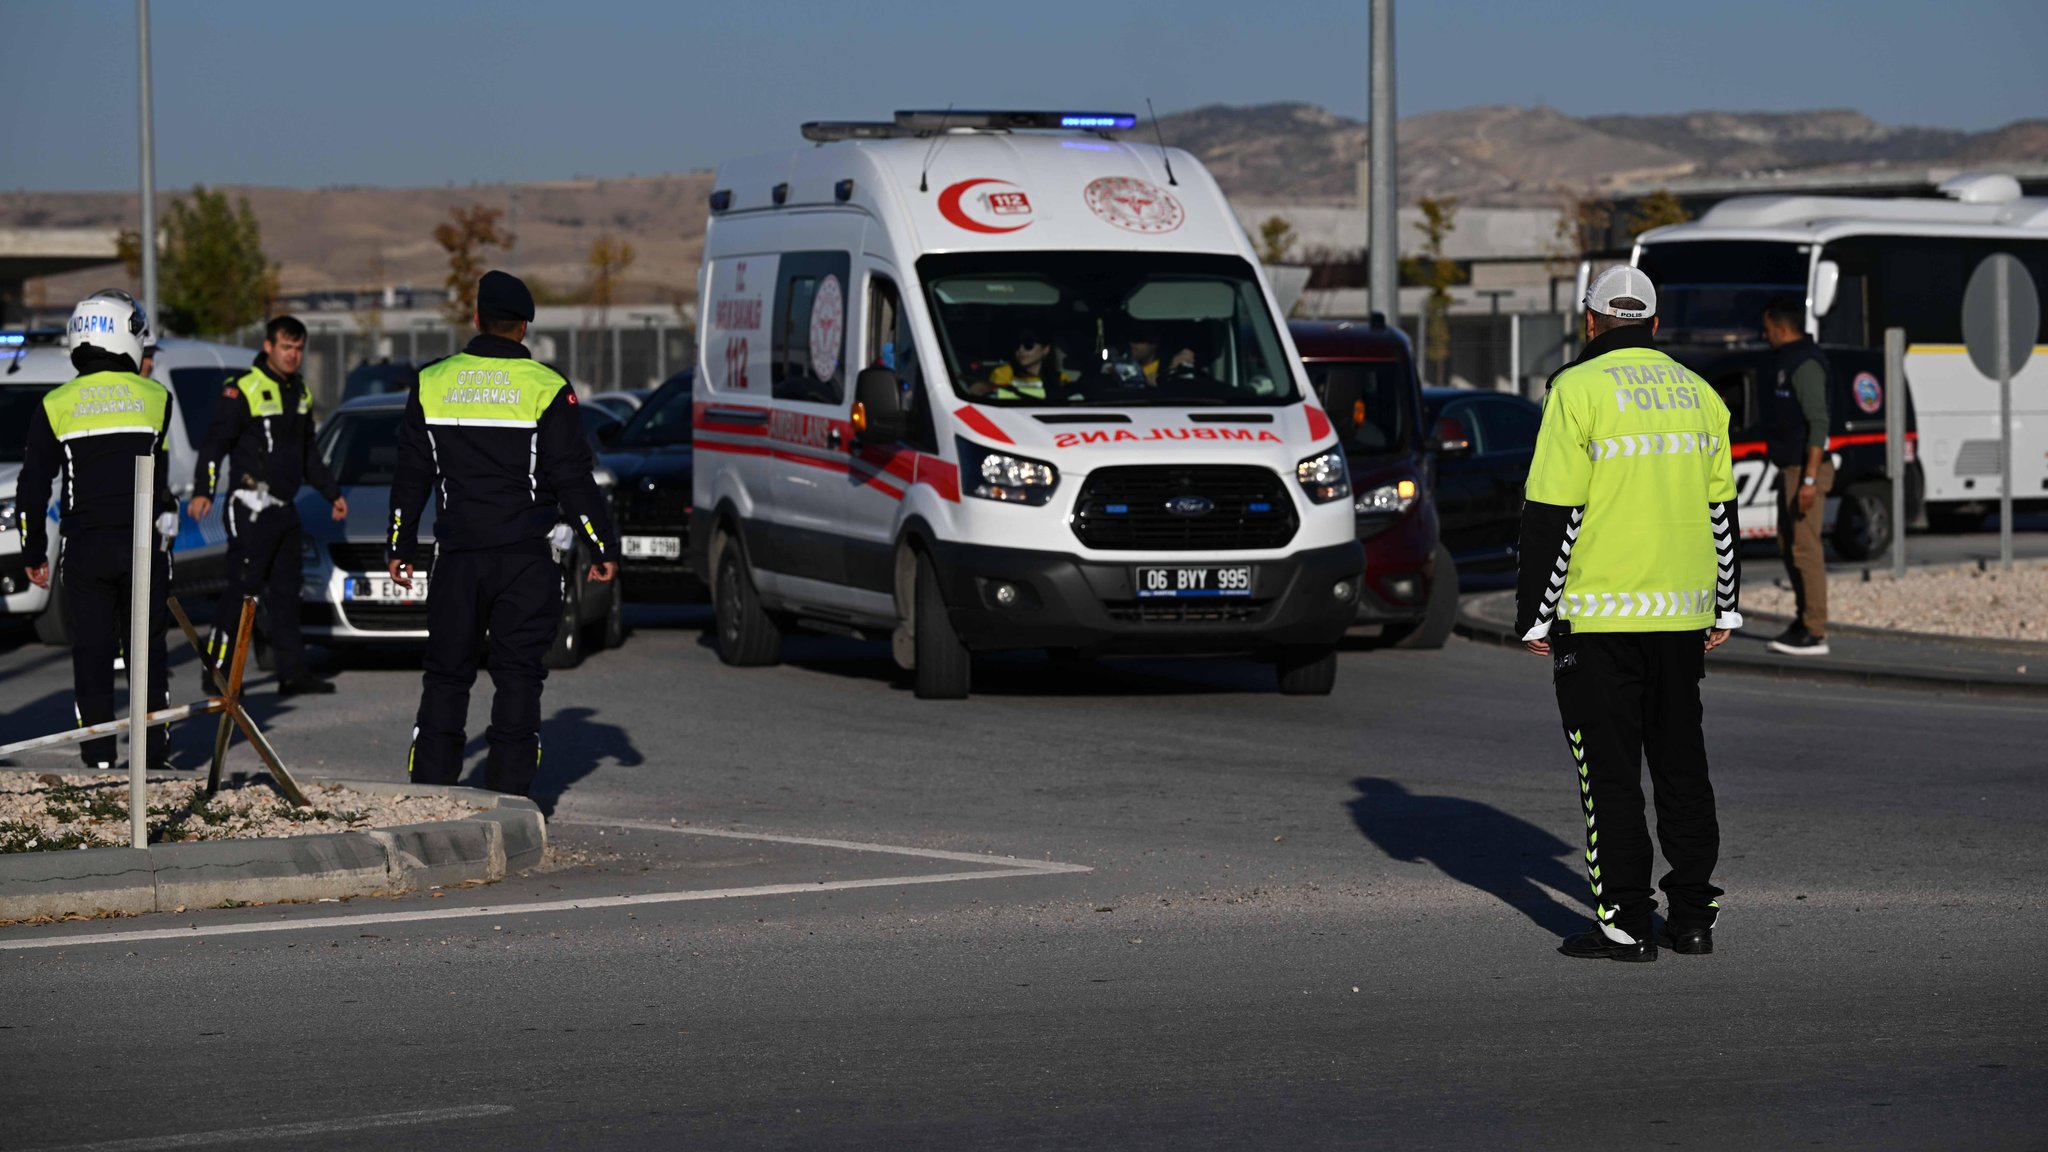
(808, 430)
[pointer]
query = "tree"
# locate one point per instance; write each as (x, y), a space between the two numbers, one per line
(1276, 240)
(608, 260)
(465, 236)
(1438, 273)
(1583, 223)
(1655, 211)
(212, 275)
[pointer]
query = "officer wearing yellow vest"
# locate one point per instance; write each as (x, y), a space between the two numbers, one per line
(260, 445)
(498, 437)
(1629, 577)
(91, 430)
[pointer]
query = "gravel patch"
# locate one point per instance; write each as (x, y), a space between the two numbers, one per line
(48, 812)
(1953, 601)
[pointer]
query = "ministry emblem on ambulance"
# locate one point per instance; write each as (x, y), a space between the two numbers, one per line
(828, 324)
(1134, 205)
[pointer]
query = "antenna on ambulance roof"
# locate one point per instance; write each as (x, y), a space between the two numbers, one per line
(924, 185)
(1161, 137)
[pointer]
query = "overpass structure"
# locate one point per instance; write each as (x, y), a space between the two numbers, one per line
(26, 253)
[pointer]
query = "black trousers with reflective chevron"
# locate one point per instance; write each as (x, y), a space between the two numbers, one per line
(1627, 697)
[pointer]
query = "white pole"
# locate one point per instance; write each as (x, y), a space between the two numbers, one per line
(2002, 312)
(1515, 353)
(1895, 440)
(139, 592)
(149, 301)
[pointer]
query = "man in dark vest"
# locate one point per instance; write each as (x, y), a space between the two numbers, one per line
(260, 445)
(498, 437)
(1796, 428)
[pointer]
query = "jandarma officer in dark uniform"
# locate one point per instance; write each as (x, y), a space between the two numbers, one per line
(91, 430)
(501, 436)
(261, 445)
(1629, 578)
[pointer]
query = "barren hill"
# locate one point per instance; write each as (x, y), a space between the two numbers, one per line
(1285, 153)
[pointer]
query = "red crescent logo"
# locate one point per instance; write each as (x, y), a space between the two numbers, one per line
(949, 207)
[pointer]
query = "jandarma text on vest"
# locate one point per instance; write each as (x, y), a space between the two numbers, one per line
(100, 399)
(481, 386)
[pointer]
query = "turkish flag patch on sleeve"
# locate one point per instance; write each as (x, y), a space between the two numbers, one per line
(572, 395)
(231, 393)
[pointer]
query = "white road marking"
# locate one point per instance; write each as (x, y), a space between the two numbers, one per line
(287, 1131)
(1000, 867)
(848, 845)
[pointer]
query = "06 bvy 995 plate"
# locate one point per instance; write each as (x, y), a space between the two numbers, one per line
(1178, 582)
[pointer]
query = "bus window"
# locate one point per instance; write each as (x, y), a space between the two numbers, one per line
(1917, 282)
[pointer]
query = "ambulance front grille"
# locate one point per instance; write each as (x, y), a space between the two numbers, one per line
(1204, 611)
(1125, 509)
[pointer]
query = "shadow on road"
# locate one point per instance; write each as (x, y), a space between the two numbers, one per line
(572, 746)
(1477, 845)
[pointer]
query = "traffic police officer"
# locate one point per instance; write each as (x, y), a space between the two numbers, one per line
(1629, 577)
(501, 436)
(1796, 442)
(91, 430)
(261, 443)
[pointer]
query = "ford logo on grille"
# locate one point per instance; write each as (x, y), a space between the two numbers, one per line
(1190, 505)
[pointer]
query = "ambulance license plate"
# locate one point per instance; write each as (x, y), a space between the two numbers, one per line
(652, 547)
(1175, 583)
(383, 590)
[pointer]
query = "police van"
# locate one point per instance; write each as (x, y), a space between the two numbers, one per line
(979, 381)
(34, 362)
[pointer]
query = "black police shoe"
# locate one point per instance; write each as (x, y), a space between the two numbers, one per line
(1595, 945)
(305, 683)
(1797, 641)
(1689, 941)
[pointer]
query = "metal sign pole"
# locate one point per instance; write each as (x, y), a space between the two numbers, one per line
(138, 650)
(2002, 312)
(1895, 440)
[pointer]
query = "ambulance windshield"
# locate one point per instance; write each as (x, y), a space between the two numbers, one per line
(1115, 329)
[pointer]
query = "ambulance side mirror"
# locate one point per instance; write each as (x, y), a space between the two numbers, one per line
(878, 407)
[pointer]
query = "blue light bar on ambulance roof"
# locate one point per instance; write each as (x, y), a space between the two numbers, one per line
(940, 121)
(10, 339)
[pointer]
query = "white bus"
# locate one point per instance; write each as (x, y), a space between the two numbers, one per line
(1862, 266)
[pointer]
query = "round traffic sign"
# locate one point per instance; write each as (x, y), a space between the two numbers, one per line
(1983, 333)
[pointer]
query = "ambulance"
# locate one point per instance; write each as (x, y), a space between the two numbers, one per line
(983, 381)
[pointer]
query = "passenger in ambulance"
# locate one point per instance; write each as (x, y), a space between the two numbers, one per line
(1033, 364)
(1136, 364)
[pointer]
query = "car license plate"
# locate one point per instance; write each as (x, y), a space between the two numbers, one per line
(384, 590)
(1161, 583)
(653, 547)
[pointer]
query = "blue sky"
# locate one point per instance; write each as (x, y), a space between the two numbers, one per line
(434, 91)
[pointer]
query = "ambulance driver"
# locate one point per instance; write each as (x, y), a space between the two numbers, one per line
(1034, 362)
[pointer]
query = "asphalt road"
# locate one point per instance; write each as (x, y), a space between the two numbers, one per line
(1302, 923)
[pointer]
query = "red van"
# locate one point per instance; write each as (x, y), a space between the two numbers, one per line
(1365, 376)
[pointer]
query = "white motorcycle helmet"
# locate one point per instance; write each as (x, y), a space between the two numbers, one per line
(111, 321)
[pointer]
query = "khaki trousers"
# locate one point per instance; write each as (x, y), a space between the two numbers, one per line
(1799, 543)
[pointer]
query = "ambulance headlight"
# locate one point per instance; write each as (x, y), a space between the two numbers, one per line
(994, 475)
(1387, 499)
(1324, 477)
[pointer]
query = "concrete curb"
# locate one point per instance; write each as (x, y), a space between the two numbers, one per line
(508, 836)
(1474, 625)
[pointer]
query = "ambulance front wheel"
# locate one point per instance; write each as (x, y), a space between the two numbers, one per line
(1307, 671)
(943, 666)
(747, 637)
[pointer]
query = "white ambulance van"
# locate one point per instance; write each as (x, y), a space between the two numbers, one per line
(981, 381)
